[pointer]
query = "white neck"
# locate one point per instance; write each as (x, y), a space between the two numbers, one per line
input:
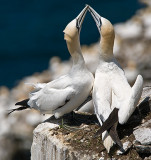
(77, 58)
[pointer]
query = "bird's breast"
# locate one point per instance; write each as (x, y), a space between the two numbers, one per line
(108, 67)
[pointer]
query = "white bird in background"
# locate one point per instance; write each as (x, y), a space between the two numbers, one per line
(67, 92)
(114, 99)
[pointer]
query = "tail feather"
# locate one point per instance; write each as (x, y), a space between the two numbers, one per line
(127, 109)
(23, 105)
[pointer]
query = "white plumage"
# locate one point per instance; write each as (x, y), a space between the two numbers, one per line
(67, 92)
(63, 94)
(111, 88)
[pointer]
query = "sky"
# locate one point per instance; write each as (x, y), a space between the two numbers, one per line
(31, 31)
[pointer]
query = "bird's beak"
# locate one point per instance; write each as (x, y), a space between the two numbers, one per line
(80, 18)
(96, 17)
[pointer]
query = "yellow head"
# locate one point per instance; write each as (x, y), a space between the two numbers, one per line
(106, 30)
(104, 26)
(72, 31)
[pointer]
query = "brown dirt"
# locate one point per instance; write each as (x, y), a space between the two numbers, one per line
(82, 140)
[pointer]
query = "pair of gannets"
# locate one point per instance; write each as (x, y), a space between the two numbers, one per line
(67, 92)
(113, 98)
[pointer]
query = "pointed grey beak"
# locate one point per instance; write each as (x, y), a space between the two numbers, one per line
(80, 18)
(96, 17)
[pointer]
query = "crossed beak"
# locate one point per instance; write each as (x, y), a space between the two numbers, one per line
(96, 17)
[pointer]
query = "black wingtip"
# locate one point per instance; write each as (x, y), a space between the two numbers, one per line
(18, 103)
(23, 102)
(17, 109)
(114, 135)
(9, 112)
(111, 121)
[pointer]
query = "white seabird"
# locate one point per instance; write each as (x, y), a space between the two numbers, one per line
(114, 99)
(67, 92)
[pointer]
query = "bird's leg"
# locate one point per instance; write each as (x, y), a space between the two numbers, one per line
(70, 128)
(73, 120)
(61, 124)
(64, 126)
(67, 127)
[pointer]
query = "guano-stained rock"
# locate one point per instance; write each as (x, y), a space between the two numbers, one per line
(47, 146)
(143, 133)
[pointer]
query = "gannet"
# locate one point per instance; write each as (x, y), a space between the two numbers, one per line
(114, 99)
(67, 92)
